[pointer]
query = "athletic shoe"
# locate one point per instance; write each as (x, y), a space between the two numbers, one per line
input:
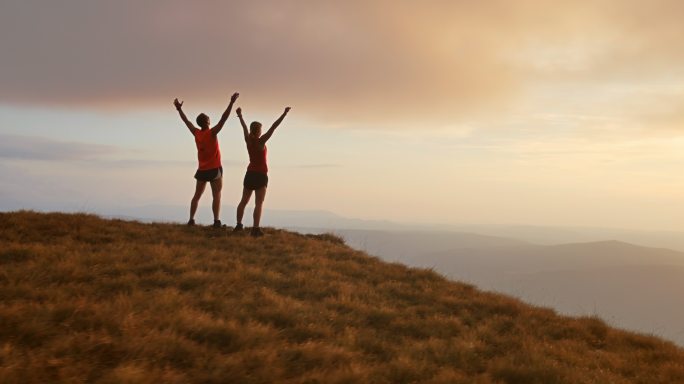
(217, 224)
(238, 228)
(191, 222)
(256, 232)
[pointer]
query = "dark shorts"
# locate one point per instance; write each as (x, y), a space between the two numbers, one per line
(255, 180)
(209, 174)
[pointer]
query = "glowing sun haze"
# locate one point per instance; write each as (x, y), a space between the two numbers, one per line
(533, 112)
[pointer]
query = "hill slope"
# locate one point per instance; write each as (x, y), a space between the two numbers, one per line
(89, 300)
(633, 287)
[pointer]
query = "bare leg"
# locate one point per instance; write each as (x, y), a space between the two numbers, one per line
(246, 195)
(199, 189)
(260, 195)
(216, 186)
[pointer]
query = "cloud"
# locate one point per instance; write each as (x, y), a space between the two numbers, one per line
(661, 113)
(32, 148)
(396, 62)
(35, 148)
(316, 166)
(140, 163)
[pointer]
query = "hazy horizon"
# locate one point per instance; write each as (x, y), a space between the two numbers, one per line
(535, 113)
(324, 221)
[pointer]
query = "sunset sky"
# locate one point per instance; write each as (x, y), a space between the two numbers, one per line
(479, 112)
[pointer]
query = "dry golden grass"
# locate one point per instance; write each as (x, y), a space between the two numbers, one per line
(88, 300)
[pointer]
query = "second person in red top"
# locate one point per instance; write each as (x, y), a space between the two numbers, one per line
(256, 178)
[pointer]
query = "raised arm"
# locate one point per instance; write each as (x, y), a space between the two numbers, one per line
(245, 133)
(179, 108)
(264, 138)
(217, 128)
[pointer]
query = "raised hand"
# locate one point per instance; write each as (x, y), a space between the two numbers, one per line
(177, 104)
(239, 111)
(287, 110)
(234, 97)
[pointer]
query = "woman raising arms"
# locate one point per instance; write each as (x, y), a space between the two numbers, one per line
(209, 169)
(256, 178)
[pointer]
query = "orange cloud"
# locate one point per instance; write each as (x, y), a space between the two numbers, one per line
(355, 61)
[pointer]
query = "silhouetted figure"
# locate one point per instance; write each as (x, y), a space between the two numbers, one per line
(208, 157)
(256, 178)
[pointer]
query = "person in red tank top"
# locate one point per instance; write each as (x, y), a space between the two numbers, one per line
(256, 178)
(209, 167)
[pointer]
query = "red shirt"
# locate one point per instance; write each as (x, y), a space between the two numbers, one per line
(257, 157)
(208, 152)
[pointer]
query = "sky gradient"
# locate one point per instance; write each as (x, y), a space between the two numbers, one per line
(527, 112)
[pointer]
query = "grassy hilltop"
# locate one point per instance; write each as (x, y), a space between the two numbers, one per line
(84, 299)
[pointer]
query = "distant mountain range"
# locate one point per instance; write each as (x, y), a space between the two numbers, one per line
(320, 220)
(560, 235)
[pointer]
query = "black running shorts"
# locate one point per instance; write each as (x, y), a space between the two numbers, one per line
(209, 174)
(255, 180)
